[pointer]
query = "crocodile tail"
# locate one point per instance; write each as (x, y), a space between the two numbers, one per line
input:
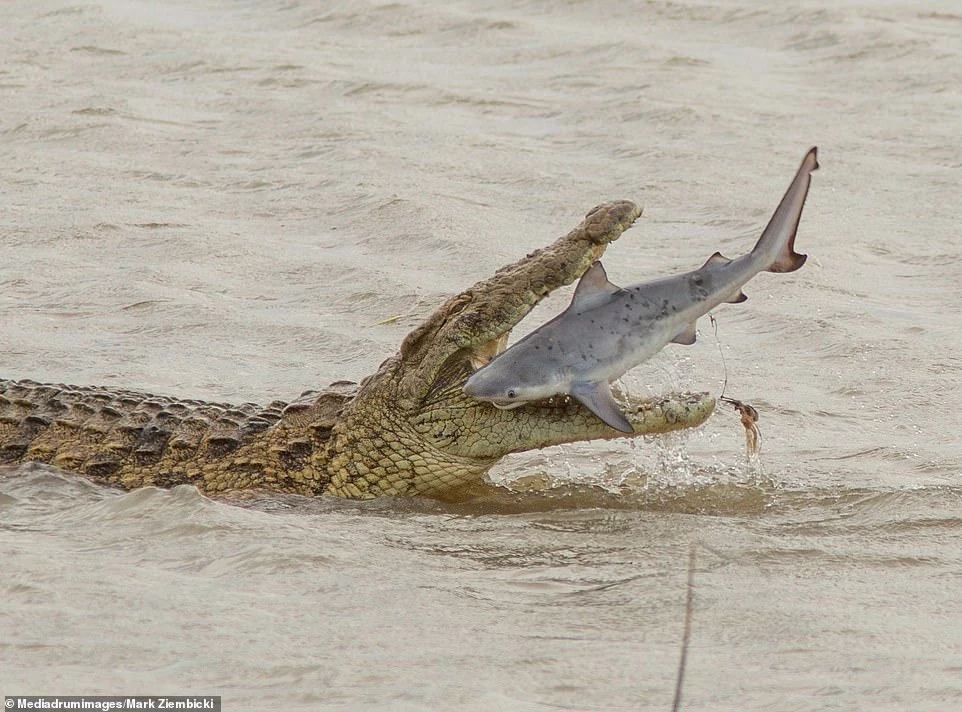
(123, 438)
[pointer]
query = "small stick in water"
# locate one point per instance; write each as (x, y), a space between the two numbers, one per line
(753, 436)
(686, 636)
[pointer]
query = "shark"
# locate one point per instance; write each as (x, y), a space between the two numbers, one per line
(607, 330)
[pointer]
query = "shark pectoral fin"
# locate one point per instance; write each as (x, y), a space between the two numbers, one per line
(686, 336)
(597, 398)
(738, 298)
(594, 285)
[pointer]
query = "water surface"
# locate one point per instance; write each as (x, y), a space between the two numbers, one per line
(232, 200)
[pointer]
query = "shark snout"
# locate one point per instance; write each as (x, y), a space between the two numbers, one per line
(479, 386)
(488, 386)
(471, 387)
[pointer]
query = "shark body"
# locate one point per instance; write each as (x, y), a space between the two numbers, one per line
(607, 330)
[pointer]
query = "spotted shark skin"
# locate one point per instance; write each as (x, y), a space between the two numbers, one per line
(607, 330)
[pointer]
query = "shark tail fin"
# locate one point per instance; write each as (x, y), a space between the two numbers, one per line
(780, 233)
(789, 261)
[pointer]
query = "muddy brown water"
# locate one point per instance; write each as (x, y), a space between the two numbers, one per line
(232, 200)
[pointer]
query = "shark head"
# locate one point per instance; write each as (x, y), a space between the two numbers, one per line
(471, 329)
(508, 389)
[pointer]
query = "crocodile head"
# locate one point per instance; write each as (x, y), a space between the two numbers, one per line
(412, 430)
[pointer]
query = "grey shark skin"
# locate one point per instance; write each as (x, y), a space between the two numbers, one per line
(607, 330)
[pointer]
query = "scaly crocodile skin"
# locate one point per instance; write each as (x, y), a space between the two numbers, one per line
(408, 429)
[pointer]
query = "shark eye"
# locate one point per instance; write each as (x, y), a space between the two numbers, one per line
(512, 394)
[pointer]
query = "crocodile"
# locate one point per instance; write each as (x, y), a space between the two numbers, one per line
(407, 429)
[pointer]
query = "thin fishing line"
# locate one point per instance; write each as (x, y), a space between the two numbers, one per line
(714, 323)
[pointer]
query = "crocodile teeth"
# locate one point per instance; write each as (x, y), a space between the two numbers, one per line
(484, 353)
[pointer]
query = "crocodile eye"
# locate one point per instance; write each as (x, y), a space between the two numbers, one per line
(512, 394)
(460, 304)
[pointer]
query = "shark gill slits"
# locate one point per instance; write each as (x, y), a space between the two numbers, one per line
(697, 288)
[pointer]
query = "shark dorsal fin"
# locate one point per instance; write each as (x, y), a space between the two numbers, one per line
(594, 285)
(719, 259)
(716, 259)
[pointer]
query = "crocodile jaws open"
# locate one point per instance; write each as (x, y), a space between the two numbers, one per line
(408, 429)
